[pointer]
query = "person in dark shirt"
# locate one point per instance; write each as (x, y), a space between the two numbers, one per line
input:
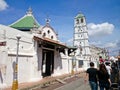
(114, 73)
(91, 76)
(104, 78)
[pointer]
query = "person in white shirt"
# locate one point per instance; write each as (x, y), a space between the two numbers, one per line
(108, 67)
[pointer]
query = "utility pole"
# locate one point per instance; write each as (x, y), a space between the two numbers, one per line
(15, 79)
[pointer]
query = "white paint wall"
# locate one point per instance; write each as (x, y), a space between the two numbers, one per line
(29, 60)
(26, 60)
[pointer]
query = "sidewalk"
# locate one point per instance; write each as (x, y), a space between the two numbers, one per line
(44, 81)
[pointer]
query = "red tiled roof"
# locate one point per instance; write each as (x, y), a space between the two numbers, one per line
(50, 41)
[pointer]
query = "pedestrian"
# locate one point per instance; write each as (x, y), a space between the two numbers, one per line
(114, 73)
(101, 60)
(91, 76)
(108, 67)
(104, 78)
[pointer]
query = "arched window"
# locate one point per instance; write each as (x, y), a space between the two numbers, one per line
(51, 37)
(48, 31)
(44, 34)
(40, 32)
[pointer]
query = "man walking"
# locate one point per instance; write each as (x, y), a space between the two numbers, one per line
(91, 76)
(108, 67)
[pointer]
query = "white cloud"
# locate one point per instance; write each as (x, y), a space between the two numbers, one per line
(70, 41)
(97, 43)
(118, 43)
(3, 5)
(110, 45)
(105, 45)
(98, 30)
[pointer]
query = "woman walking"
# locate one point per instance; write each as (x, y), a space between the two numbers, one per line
(104, 78)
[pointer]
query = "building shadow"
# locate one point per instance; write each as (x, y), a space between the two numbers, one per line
(1, 77)
(13, 65)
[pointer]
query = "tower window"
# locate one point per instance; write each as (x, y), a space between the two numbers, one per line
(81, 20)
(77, 21)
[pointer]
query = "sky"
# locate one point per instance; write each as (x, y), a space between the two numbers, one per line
(102, 17)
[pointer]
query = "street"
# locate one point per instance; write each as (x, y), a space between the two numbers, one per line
(72, 83)
(75, 85)
(79, 85)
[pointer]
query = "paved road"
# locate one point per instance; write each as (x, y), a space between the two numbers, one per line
(75, 85)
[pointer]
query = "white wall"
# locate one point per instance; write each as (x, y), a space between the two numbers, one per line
(29, 60)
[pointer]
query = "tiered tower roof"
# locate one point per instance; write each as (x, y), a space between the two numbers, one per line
(80, 15)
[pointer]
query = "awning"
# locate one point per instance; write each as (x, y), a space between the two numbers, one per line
(60, 46)
(50, 41)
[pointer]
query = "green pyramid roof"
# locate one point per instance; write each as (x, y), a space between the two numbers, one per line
(80, 15)
(26, 23)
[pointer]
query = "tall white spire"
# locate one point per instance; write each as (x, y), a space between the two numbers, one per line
(81, 35)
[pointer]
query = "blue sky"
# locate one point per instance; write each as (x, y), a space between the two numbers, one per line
(102, 16)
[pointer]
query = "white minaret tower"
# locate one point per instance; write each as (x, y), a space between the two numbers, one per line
(81, 38)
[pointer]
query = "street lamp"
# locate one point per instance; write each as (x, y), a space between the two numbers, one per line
(15, 79)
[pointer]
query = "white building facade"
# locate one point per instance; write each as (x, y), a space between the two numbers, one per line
(40, 54)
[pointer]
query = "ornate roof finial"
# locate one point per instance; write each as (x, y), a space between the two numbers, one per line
(47, 20)
(29, 11)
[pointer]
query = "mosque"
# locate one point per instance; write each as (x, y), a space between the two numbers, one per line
(39, 51)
